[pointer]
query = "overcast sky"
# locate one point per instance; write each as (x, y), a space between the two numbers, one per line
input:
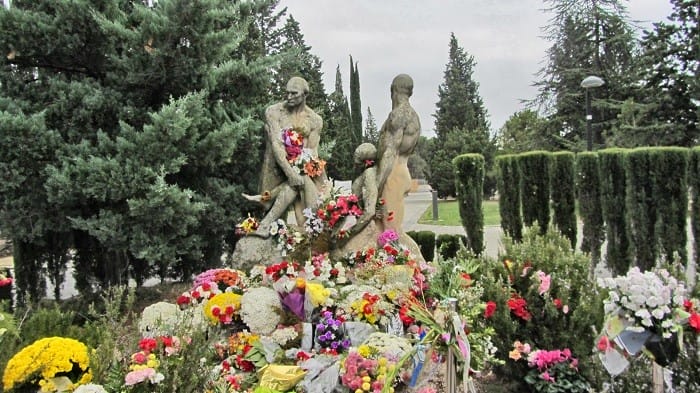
(389, 37)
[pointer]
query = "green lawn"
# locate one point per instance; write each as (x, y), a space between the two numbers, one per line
(448, 213)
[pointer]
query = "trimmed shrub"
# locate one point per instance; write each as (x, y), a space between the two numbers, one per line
(612, 199)
(426, 243)
(669, 167)
(469, 183)
(534, 169)
(694, 184)
(448, 245)
(563, 194)
(509, 196)
(588, 190)
(641, 207)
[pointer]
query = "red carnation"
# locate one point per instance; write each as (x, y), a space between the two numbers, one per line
(694, 321)
(490, 309)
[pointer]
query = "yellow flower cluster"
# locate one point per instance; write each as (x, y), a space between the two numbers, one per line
(43, 360)
(222, 307)
(318, 293)
(141, 360)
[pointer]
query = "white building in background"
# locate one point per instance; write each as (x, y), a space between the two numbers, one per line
(6, 3)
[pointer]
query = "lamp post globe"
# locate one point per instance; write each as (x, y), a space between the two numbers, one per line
(589, 82)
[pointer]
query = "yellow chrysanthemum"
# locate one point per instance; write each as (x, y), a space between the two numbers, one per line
(317, 293)
(220, 305)
(39, 362)
(364, 350)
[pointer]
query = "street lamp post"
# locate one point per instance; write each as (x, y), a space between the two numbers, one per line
(587, 83)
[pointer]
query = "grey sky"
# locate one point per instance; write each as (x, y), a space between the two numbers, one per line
(390, 37)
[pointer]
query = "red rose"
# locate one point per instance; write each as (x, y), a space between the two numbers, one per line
(694, 321)
(148, 344)
(490, 309)
(557, 303)
(688, 305)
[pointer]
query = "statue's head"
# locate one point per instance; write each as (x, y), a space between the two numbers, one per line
(297, 89)
(364, 152)
(402, 84)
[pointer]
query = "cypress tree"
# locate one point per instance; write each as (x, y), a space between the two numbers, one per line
(641, 207)
(564, 195)
(339, 132)
(612, 198)
(694, 184)
(588, 190)
(535, 183)
(355, 103)
(669, 173)
(371, 132)
(469, 175)
(509, 196)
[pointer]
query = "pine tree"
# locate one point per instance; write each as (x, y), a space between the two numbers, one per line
(339, 131)
(371, 134)
(303, 63)
(355, 103)
(460, 120)
(664, 110)
(590, 37)
(142, 123)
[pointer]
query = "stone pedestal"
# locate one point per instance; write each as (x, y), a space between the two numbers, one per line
(251, 251)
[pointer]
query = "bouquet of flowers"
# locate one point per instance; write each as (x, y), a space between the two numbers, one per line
(550, 371)
(286, 239)
(247, 226)
(330, 334)
(366, 370)
(648, 300)
(50, 364)
(321, 268)
(299, 157)
(222, 308)
(332, 212)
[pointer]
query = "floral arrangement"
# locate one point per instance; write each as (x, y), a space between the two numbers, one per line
(261, 310)
(286, 239)
(647, 300)
(158, 319)
(366, 370)
(49, 365)
(332, 211)
(198, 295)
(276, 271)
(222, 308)
(299, 157)
(247, 226)
(550, 370)
(330, 334)
(321, 268)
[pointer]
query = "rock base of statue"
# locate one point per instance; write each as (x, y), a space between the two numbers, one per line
(664, 350)
(252, 250)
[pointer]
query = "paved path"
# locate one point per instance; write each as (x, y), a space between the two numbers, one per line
(417, 202)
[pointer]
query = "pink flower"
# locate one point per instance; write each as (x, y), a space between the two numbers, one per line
(139, 376)
(545, 375)
(604, 344)
(545, 281)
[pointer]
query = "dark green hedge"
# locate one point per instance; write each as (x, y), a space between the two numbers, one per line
(448, 245)
(612, 198)
(509, 196)
(588, 190)
(694, 184)
(641, 207)
(563, 194)
(669, 167)
(534, 169)
(426, 243)
(469, 183)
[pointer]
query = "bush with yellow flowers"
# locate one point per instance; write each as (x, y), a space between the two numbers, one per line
(50, 364)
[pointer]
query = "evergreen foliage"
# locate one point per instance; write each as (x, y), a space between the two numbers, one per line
(448, 245)
(509, 196)
(563, 194)
(641, 207)
(355, 103)
(304, 64)
(340, 132)
(663, 107)
(588, 191)
(371, 134)
(469, 177)
(669, 173)
(535, 191)
(132, 132)
(426, 243)
(694, 186)
(460, 120)
(612, 199)
(589, 37)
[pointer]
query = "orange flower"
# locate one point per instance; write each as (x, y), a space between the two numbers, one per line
(314, 167)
